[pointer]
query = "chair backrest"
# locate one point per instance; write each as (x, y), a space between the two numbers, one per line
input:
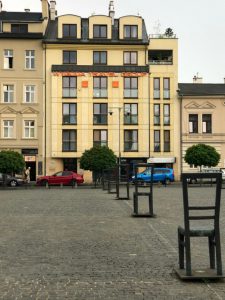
(123, 172)
(139, 182)
(192, 212)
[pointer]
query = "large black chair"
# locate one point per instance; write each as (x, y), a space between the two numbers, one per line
(196, 214)
(122, 179)
(143, 189)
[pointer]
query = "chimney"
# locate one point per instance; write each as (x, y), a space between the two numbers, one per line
(0, 6)
(52, 10)
(27, 10)
(197, 79)
(45, 9)
(111, 11)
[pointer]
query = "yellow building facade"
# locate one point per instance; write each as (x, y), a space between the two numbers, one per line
(21, 84)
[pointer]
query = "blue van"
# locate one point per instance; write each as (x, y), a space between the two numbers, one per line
(163, 175)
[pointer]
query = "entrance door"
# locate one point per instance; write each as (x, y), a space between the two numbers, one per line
(32, 165)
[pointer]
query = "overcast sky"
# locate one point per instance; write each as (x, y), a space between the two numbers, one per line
(199, 25)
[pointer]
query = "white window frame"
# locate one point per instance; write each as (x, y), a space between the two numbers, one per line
(29, 93)
(8, 53)
(29, 59)
(9, 125)
(10, 93)
(29, 127)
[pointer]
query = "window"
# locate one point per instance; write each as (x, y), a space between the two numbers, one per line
(166, 88)
(100, 138)
(130, 114)
(166, 114)
(100, 31)
(69, 87)
(69, 30)
(193, 123)
(100, 114)
(30, 59)
(130, 58)
(156, 140)
(69, 57)
(19, 28)
(99, 57)
(29, 93)
(130, 31)
(130, 87)
(156, 86)
(8, 90)
(69, 140)
(8, 59)
(8, 129)
(206, 123)
(29, 129)
(130, 140)
(160, 57)
(69, 113)
(166, 141)
(156, 114)
(100, 87)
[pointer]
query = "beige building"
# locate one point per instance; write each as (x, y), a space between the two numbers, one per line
(202, 111)
(164, 105)
(21, 84)
(101, 91)
(88, 81)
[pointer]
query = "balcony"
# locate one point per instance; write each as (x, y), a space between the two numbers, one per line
(160, 57)
(162, 36)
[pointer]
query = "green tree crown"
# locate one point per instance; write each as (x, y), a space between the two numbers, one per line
(11, 162)
(97, 159)
(202, 155)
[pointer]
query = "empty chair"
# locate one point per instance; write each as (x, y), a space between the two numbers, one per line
(194, 213)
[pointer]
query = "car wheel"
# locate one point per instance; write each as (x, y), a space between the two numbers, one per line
(43, 182)
(13, 183)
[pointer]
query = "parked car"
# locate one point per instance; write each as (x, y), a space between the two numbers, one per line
(160, 175)
(9, 180)
(62, 177)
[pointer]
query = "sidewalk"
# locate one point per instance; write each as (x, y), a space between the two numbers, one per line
(82, 244)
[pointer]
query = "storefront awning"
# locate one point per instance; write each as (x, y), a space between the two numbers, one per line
(161, 160)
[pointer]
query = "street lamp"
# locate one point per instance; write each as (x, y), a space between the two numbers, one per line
(119, 119)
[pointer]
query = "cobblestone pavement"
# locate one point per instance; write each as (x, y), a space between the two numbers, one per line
(83, 244)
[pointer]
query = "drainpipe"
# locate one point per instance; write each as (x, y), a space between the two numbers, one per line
(45, 114)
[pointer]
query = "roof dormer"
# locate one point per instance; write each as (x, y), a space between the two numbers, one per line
(100, 27)
(69, 27)
(130, 28)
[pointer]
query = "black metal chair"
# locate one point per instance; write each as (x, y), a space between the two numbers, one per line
(140, 185)
(212, 232)
(122, 179)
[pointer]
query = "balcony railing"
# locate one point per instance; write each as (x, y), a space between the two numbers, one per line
(160, 62)
(162, 36)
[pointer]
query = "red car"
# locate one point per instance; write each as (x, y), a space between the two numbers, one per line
(63, 177)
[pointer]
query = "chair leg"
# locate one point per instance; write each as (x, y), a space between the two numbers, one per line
(181, 249)
(211, 252)
(188, 255)
(135, 204)
(218, 254)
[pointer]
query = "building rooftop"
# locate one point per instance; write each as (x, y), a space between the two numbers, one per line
(201, 89)
(52, 31)
(20, 16)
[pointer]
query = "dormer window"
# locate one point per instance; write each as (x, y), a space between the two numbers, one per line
(100, 31)
(19, 28)
(69, 30)
(130, 31)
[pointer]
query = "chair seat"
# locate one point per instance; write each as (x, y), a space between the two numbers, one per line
(198, 231)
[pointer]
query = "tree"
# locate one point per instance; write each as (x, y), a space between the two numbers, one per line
(202, 155)
(169, 32)
(11, 162)
(98, 159)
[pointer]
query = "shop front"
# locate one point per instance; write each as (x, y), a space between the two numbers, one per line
(162, 162)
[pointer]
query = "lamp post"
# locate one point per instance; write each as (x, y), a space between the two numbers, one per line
(119, 127)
